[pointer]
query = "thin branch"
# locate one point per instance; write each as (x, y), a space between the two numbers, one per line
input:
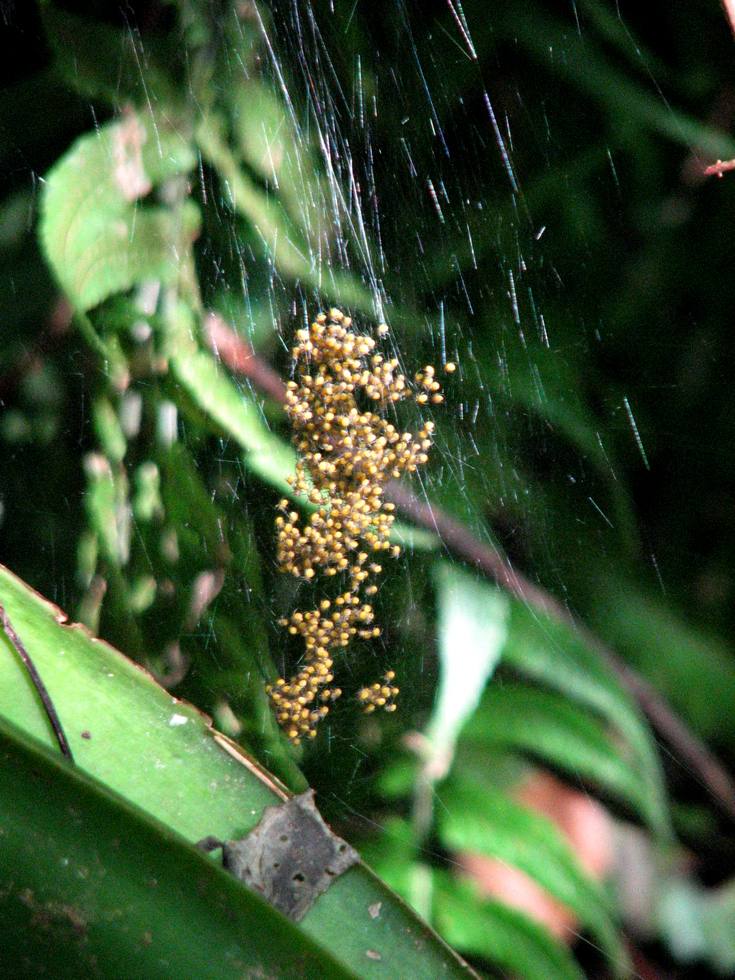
(719, 168)
(43, 693)
(241, 359)
(237, 355)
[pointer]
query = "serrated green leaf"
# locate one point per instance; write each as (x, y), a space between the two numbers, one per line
(484, 821)
(483, 927)
(97, 238)
(271, 144)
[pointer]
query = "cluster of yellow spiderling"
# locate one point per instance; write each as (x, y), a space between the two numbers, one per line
(379, 695)
(348, 450)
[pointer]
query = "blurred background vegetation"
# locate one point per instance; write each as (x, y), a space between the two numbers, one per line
(515, 187)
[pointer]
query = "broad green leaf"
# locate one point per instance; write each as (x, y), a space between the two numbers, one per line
(483, 927)
(123, 728)
(162, 755)
(482, 820)
(97, 884)
(98, 238)
(552, 728)
(472, 627)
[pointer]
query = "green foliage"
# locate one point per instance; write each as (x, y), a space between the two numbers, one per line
(149, 770)
(472, 629)
(480, 821)
(97, 238)
(495, 932)
(127, 889)
(214, 394)
(698, 924)
(552, 728)
(264, 166)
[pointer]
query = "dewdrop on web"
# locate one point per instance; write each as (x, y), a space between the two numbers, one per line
(346, 455)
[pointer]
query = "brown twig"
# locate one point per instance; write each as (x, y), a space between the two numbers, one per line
(241, 359)
(43, 693)
(237, 355)
(719, 168)
(698, 164)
